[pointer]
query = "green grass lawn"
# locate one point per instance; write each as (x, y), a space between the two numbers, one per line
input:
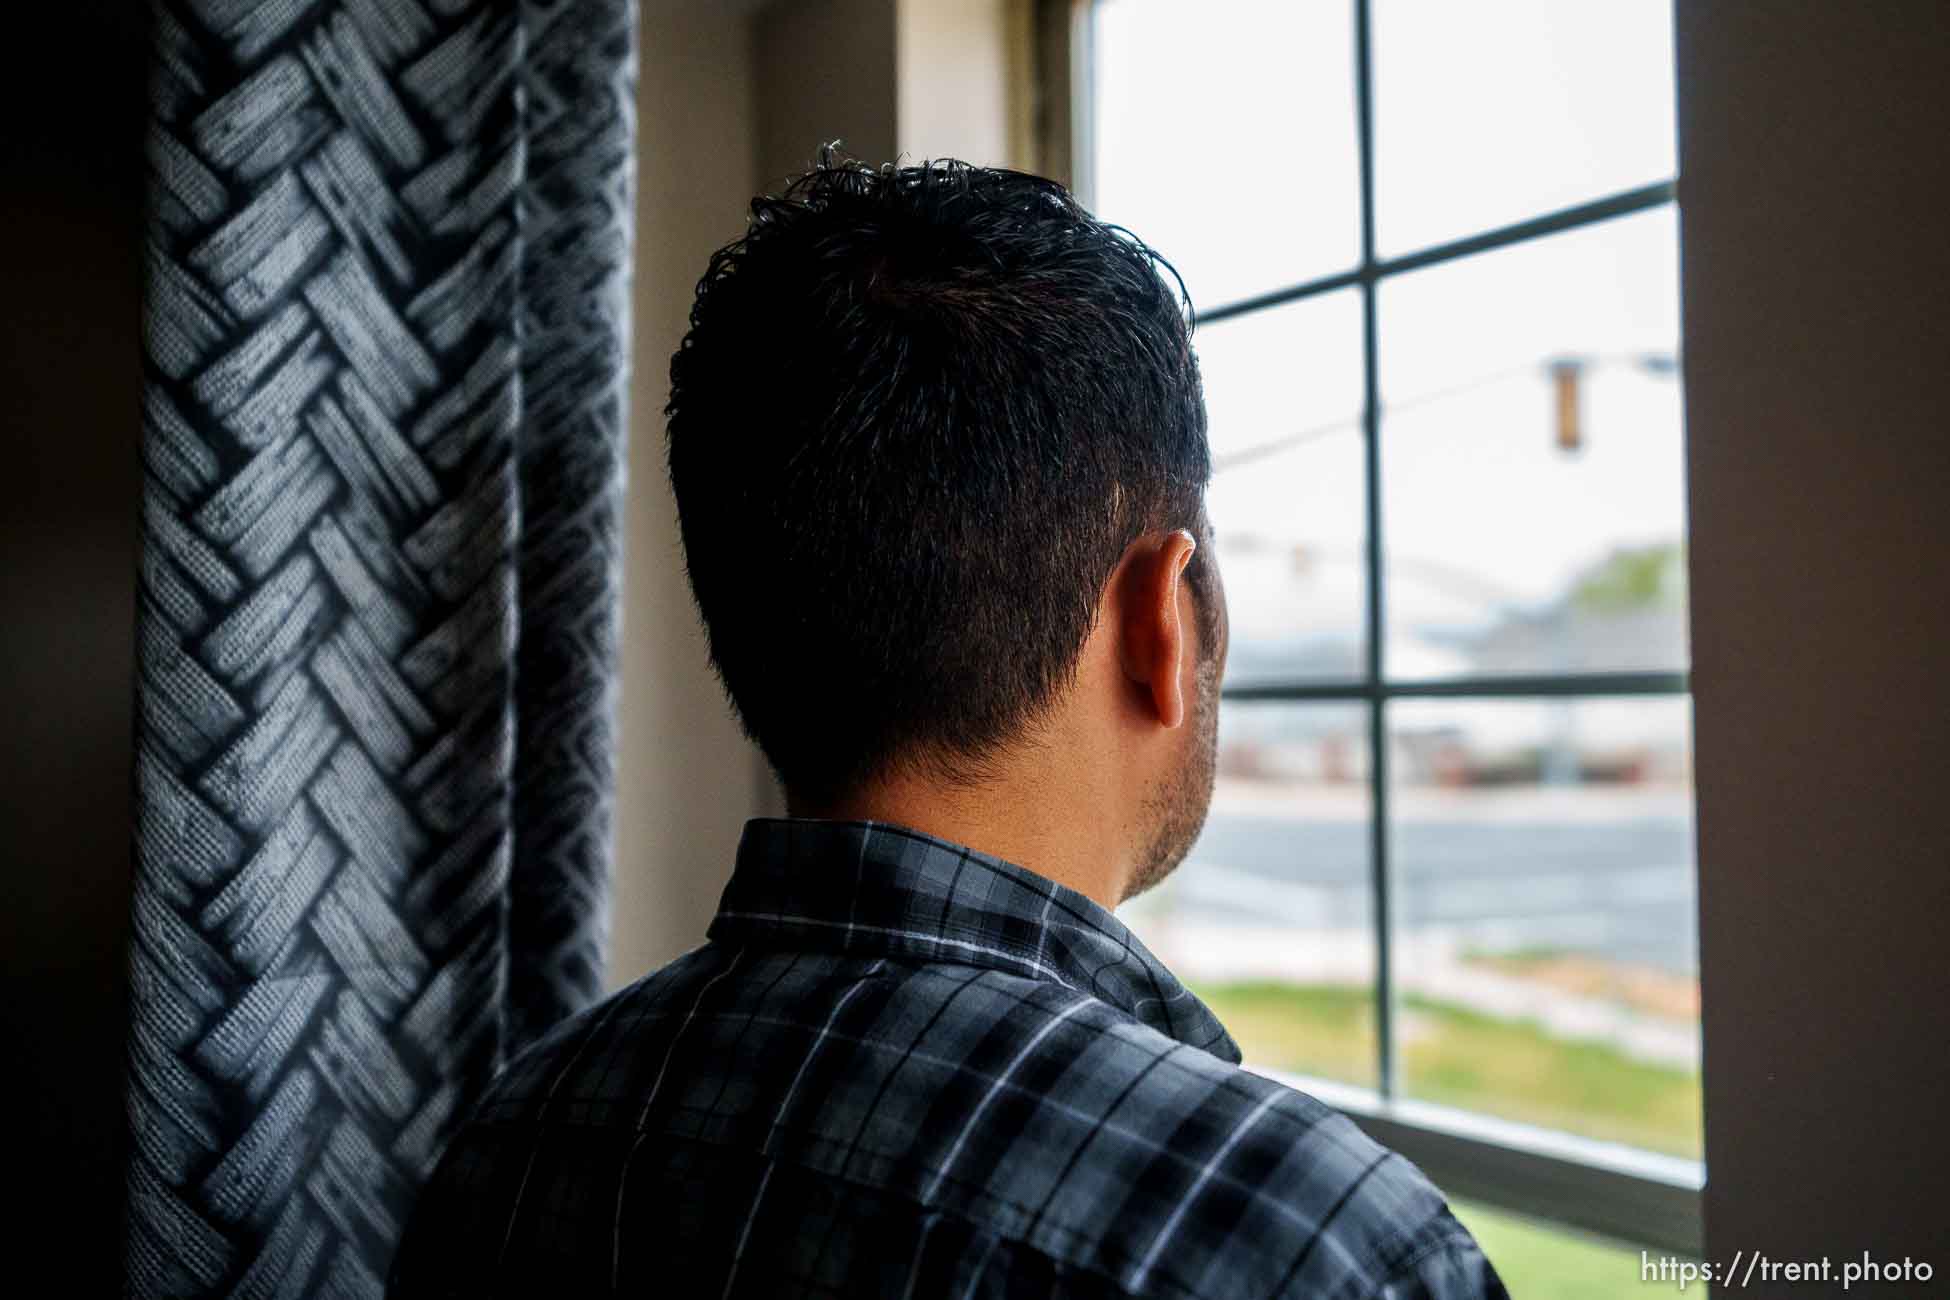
(1460, 1058)
(1538, 1262)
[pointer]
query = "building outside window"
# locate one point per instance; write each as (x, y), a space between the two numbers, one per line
(1448, 877)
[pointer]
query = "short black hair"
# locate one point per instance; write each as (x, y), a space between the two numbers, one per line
(918, 417)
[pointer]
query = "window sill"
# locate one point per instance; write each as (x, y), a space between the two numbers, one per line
(1635, 1197)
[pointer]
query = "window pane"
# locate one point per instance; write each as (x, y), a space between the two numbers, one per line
(1283, 393)
(1224, 137)
(1270, 920)
(1491, 113)
(1533, 464)
(1542, 855)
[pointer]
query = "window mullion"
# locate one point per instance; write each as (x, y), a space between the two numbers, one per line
(1385, 1064)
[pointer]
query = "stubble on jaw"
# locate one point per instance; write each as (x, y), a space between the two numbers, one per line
(1177, 811)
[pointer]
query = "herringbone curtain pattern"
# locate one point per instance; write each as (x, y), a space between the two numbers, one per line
(387, 323)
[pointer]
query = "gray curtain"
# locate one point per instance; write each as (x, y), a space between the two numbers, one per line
(386, 339)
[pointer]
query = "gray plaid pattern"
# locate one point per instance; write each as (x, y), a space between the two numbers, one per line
(904, 1068)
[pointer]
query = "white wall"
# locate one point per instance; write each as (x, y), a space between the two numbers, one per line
(825, 71)
(686, 777)
(911, 79)
(1813, 178)
(731, 99)
(953, 69)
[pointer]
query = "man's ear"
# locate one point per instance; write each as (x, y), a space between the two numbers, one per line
(1155, 638)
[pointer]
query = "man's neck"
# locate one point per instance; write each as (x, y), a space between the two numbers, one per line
(1049, 822)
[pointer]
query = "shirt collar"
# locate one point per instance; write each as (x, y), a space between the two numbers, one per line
(882, 890)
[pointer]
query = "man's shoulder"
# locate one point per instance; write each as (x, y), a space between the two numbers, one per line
(560, 1073)
(1060, 1122)
(1202, 1177)
(1036, 1110)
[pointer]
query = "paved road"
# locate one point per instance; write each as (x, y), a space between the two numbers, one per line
(1624, 890)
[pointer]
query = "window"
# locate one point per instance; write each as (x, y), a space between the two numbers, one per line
(1448, 876)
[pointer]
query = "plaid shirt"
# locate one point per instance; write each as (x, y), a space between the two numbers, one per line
(904, 1068)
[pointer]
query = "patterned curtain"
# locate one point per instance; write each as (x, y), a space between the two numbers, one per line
(386, 334)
